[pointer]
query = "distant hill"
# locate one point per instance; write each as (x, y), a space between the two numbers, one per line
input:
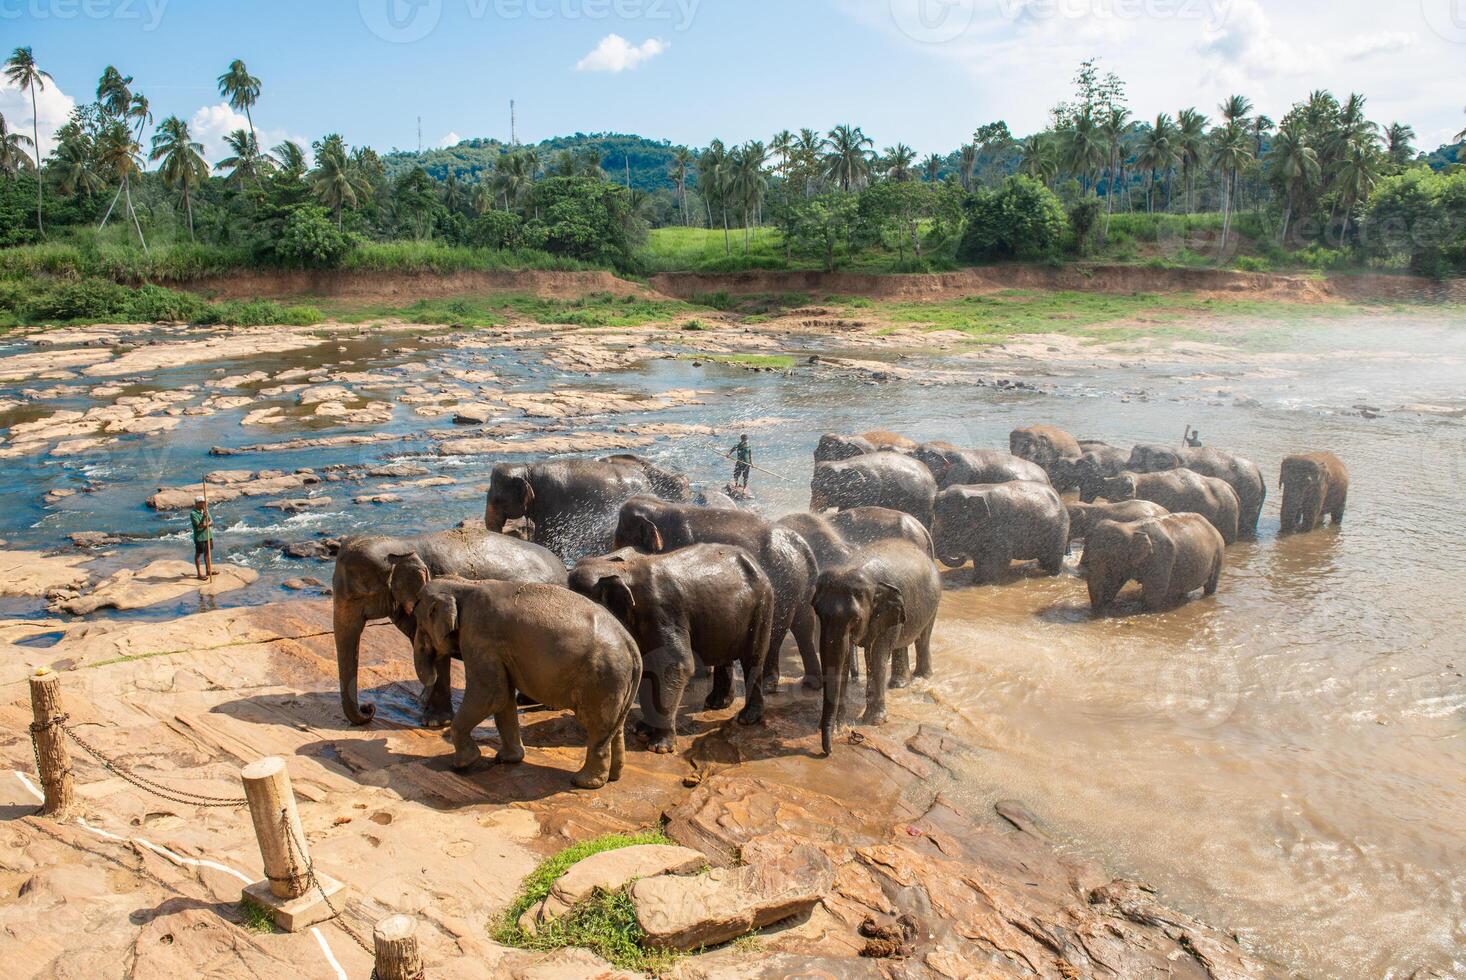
(650, 161)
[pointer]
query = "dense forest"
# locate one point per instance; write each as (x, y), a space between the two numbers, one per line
(1324, 187)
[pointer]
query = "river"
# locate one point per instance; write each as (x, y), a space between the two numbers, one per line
(1285, 760)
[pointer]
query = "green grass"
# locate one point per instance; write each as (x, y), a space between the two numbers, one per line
(705, 250)
(779, 362)
(605, 924)
(257, 918)
(30, 301)
(439, 257)
(594, 310)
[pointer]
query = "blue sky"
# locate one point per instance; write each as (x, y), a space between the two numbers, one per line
(925, 72)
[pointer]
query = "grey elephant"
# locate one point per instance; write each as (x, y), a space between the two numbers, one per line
(658, 526)
(360, 592)
(709, 602)
(996, 524)
(1241, 474)
(1181, 492)
(570, 504)
(884, 599)
(1314, 484)
(554, 645)
(834, 447)
(1044, 445)
(1095, 464)
(834, 538)
(1083, 517)
(1170, 556)
(951, 465)
(666, 483)
(880, 479)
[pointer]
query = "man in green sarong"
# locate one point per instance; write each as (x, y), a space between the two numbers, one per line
(742, 462)
(203, 538)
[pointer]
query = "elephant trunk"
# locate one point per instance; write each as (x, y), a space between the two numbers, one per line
(835, 642)
(348, 622)
(425, 660)
(495, 517)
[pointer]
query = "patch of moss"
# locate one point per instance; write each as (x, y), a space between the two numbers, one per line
(257, 918)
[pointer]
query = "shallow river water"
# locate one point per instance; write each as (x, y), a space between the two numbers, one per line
(1287, 760)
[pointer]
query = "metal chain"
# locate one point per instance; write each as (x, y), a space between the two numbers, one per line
(295, 850)
(141, 782)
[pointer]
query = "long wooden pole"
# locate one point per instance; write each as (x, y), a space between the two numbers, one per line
(52, 757)
(755, 466)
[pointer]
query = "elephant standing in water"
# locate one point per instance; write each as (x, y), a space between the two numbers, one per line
(834, 538)
(1083, 517)
(834, 447)
(882, 479)
(571, 503)
(1170, 556)
(1240, 474)
(1180, 492)
(360, 592)
(951, 466)
(667, 484)
(1314, 484)
(997, 523)
(1044, 445)
(658, 526)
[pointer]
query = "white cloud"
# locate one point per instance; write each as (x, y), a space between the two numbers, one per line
(1367, 45)
(452, 139)
(53, 106)
(211, 123)
(616, 54)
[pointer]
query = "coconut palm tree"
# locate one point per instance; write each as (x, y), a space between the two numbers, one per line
(1086, 147)
(1358, 173)
(749, 184)
(25, 75)
(1191, 145)
(290, 158)
(1039, 157)
(968, 165)
(715, 180)
(1112, 128)
(483, 197)
(75, 166)
(808, 147)
(244, 160)
(140, 112)
(1231, 149)
(114, 92)
(1158, 155)
(1294, 164)
(119, 153)
(1399, 138)
(13, 158)
(847, 161)
(242, 90)
(681, 169)
(783, 145)
(898, 162)
(931, 167)
(1235, 108)
(513, 176)
(184, 167)
(336, 181)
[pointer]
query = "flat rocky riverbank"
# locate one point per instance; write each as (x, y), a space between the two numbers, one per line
(139, 887)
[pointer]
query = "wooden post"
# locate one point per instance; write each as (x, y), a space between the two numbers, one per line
(397, 954)
(287, 890)
(52, 756)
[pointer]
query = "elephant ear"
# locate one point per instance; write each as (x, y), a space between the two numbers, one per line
(526, 492)
(612, 592)
(888, 600)
(982, 507)
(442, 616)
(651, 536)
(1141, 549)
(408, 575)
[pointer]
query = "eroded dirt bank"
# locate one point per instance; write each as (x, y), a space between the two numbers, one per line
(378, 287)
(122, 892)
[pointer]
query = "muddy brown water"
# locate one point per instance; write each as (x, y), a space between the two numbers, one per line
(1285, 759)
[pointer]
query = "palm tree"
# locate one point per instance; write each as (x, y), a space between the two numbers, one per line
(290, 156)
(714, 179)
(1039, 157)
(513, 176)
(244, 161)
(783, 145)
(141, 112)
(1357, 175)
(1086, 147)
(1231, 149)
(242, 90)
(114, 94)
(1398, 140)
(483, 197)
(750, 184)
(1191, 145)
(1295, 165)
(24, 74)
(183, 166)
(452, 197)
(1112, 128)
(75, 163)
(681, 169)
(1158, 155)
(931, 167)
(119, 153)
(808, 146)
(848, 160)
(969, 164)
(336, 181)
(1235, 108)
(899, 161)
(13, 158)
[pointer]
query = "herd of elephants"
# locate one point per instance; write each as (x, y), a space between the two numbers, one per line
(664, 581)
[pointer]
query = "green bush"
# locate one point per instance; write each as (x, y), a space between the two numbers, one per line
(1021, 220)
(311, 240)
(1083, 216)
(496, 229)
(90, 299)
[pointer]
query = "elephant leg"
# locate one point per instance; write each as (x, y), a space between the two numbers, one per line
(618, 753)
(753, 694)
(804, 635)
(511, 745)
(348, 619)
(671, 667)
(438, 706)
(783, 619)
(1216, 574)
(900, 668)
(721, 694)
(878, 676)
(482, 696)
(1053, 562)
(1338, 513)
(836, 676)
(601, 738)
(924, 651)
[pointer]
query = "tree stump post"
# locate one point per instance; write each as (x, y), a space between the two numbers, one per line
(291, 890)
(397, 956)
(52, 758)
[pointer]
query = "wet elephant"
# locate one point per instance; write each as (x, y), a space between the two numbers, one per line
(1170, 556)
(1313, 484)
(709, 602)
(1242, 475)
(1181, 492)
(658, 526)
(1043, 444)
(571, 504)
(882, 600)
(996, 524)
(558, 647)
(1083, 517)
(834, 447)
(360, 592)
(666, 483)
(835, 537)
(1095, 464)
(882, 479)
(951, 465)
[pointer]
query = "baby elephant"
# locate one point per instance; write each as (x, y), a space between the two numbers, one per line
(557, 647)
(884, 599)
(1314, 484)
(711, 600)
(994, 524)
(1170, 556)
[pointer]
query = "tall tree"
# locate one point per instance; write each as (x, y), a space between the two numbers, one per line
(1231, 149)
(119, 153)
(1293, 164)
(680, 170)
(290, 157)
(1085, 148)
(847, 161)
(1192, 146)
(242, 90)
(1112, 128)
(114, 92)
(968, 158)
(782, 145)
(749, 185)
(25, 75)
(1358, 172)
(931, 167)
(244, 160)
(336, 181)
(183, 166)
(1158, 156)
(1039, 157)
(899, 161)
(1399, 138)
(13, 158)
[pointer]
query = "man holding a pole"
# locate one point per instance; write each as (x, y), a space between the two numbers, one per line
(742, 461)
(203, 537)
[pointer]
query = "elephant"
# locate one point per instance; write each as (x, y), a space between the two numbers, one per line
(1170, 556)
(1096, 463)
(1242, 475)
(995, 524)
(881, 479)
(714, 499)
(571, 503)
(667, 484)
(951, 466)
(711, 600)
(1313, 484)
(1043, 444)
(1181, 492)
(658, 526)
(554, 645)
(834, 538)
(1083, 517)
(834, 447)
(884, 599)
(360, 592)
